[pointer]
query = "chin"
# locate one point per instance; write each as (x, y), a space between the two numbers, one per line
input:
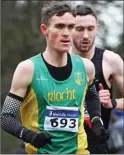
(84, 50)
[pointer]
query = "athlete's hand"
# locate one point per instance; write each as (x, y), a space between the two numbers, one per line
(37, 139)
(40, 139)
(98, 129)
(104, 96)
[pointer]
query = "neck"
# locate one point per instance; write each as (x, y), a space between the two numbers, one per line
(55, 58)
(87, 55)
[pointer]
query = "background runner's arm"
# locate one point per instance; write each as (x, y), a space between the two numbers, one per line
(117, 76)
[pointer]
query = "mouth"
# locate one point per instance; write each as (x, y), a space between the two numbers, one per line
(85, 42)
(65, 42)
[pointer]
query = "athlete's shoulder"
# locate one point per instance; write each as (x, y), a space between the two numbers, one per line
(23, 74)
(25, 65)
(87, 61)
(25, 68)
(109, 52)
(90, 69)
(111, 56)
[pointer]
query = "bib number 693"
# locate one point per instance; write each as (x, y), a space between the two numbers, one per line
(63, 122)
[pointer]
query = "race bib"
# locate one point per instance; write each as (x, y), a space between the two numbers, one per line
(61, 118)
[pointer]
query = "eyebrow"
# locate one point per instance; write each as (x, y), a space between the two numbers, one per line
(64, 24)
(84, 26)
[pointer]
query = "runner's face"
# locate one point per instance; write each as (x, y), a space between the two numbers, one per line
(84, 32)
(60, 32)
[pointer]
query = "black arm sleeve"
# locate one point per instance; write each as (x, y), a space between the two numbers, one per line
(10, 124)
(93, 102)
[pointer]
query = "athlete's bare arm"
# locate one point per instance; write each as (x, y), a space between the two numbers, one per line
(118, 78)
(116, 68)
(22, 78)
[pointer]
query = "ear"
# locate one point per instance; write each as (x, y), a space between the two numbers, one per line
(44, 29)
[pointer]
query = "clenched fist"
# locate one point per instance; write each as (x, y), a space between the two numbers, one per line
(104, 96)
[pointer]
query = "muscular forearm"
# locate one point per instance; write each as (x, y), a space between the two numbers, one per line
(120, 104)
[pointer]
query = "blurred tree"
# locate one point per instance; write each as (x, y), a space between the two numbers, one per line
(21, 38)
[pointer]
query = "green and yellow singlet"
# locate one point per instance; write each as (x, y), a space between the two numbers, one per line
(57, 107)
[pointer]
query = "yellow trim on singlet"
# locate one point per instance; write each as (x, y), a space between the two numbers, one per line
(82, 137)
(29, 116)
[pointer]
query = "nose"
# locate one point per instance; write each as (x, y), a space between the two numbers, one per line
(86, 34)
(66, 32)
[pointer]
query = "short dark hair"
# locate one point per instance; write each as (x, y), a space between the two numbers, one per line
(57, 8)
(83, 10)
